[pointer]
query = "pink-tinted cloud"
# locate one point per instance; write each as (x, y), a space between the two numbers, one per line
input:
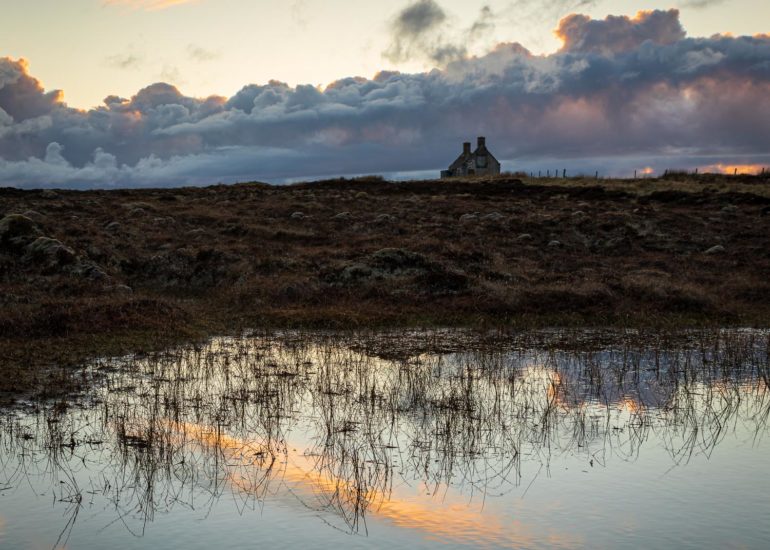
(616, 34)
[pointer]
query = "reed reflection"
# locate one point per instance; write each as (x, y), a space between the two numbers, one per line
(350, 431)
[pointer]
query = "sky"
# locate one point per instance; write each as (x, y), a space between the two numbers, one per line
(173, 92)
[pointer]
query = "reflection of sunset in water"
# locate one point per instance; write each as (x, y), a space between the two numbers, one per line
(439, 515)
(472, 449)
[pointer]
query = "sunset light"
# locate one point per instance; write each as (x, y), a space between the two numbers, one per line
(430, 274)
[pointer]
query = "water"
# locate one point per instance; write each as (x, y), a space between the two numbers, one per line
(324, 441)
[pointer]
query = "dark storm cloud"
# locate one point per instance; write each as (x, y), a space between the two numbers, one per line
(618, 87)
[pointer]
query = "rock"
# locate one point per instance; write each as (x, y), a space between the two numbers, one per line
(493, 217)
(139, 205)
(718, 249)
(614, 243)
(90, 271)
(395, 259)
(167, 220)
(355, 272)
(384, 218)
(95, 252)
(49, 194)
(465, 218)
(112, 227)
(554, 244)
(342, 216)
(34, 215)
(298, 216)
(730, 209)
(51, 250)
(524, 237)
(17, 230)
(17, 225)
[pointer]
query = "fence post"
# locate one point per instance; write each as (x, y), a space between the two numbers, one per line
(634, 174)
(547, 173)
(564, 173)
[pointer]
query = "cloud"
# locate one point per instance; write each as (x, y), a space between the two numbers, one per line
(422, 31)
(415, 32)
(149, 5)
(297, 10)
(701, 4)
(620, 88)
(616, 34)
(125, 61)
(199, 54)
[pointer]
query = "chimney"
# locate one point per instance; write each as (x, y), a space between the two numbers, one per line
(482, 142)
(467, 148)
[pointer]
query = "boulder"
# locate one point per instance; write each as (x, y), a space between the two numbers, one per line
(91, 271)
(397, 259)
(298, 216)
(17, 230)
(50, 250)
(493, 217)
(718, 249)
(34, 215)
(384, 218)
(355, 272)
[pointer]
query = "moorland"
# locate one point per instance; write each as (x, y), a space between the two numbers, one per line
(87, 273)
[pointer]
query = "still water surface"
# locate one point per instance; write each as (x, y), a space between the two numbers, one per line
(324, 441)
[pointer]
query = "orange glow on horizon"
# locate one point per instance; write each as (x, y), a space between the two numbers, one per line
(745, 169)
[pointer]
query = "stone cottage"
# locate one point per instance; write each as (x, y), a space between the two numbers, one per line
(477, 163)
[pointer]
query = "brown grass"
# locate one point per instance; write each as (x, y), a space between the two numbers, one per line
(368, 253)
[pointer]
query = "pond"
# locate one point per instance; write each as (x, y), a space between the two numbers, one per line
(409, 439)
